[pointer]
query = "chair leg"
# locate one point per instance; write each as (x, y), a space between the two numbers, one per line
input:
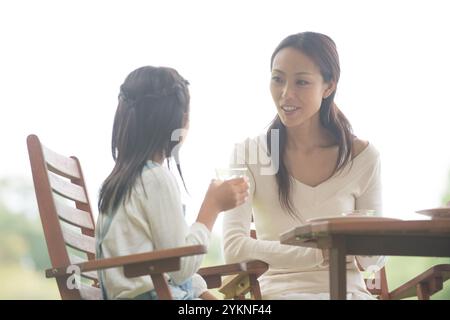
(384, 285)
(255, 291)
(436, 284)
(161, 287)
(422, 291)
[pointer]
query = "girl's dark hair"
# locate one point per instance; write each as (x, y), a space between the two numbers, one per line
(322, 50)
(153, 103)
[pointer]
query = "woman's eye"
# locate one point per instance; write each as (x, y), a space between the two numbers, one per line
(302, 82)
(276, 79)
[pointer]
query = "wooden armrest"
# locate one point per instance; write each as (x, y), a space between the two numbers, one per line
(241, 283)
(222, 270)
(256, 267)
(213, 275)
(433, 278)
(235, 286)
(136, 264)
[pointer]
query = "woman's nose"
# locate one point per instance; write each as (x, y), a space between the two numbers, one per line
(287, 91)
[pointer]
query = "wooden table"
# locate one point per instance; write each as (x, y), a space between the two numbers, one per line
(428, 238)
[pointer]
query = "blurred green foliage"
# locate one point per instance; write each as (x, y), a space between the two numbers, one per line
(22, 241)
(446, 194)
(23, 251)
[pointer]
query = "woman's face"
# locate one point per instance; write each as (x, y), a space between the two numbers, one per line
(297, 87)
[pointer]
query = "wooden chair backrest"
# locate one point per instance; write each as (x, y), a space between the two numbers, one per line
(66, 217)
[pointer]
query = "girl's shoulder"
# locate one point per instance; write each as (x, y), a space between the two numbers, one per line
(159, 178)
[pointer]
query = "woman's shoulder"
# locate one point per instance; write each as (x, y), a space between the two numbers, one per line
(359, 146)
(364, 149)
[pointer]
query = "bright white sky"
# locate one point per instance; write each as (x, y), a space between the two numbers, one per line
(62, 62)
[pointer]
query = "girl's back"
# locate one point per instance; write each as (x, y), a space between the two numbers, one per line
(139, 203)
(151, 219)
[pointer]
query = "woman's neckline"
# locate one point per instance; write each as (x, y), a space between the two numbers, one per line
(357, 157)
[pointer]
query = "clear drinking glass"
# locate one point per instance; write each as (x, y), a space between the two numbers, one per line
(359, 213)
(231, 173)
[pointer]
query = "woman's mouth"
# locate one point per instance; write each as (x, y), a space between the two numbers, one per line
(289, 110)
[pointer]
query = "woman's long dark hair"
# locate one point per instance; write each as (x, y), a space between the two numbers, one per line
(322, 50)
(153, 103)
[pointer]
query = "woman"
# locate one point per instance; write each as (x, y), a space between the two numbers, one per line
(318, 168)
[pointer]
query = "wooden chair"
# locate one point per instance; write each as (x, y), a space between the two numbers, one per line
(67, 221)
(423, 285)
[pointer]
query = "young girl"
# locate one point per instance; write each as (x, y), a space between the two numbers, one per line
(139, 202)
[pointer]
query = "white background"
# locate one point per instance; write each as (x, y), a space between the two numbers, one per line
(62, 62)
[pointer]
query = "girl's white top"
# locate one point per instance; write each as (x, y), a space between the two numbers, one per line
(151, 219)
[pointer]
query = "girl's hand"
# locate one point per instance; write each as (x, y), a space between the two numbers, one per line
(222, 196)
(226, 195)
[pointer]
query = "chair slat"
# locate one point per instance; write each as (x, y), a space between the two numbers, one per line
(74, 216)
(66, 189)
(78, 241)
(76, 259)
(87, 274)
(90, 293)
(60, 164)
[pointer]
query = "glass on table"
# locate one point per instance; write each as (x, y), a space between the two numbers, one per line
(359, 213)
